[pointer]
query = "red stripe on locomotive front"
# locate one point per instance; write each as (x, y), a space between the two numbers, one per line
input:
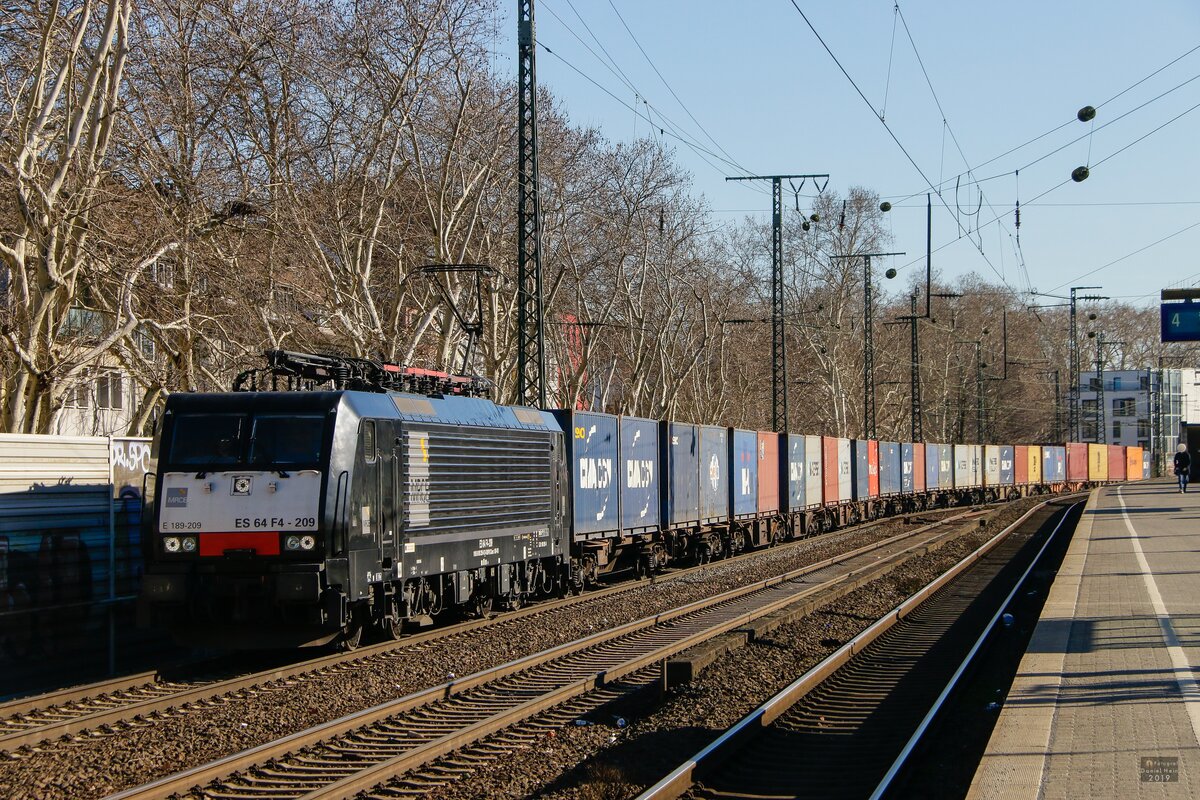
(263, 543)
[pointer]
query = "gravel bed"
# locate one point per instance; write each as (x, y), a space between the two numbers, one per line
(604, 762)
(103, 764)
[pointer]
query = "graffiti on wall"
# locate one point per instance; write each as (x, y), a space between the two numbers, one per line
(131, 461)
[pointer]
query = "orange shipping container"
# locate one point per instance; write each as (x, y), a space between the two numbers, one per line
(1020, 464)
(1133, 464)
(768, 473)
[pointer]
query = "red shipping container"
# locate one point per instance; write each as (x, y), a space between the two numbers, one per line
(872, 468)
(918, 467)
(1077, 462)
(829, 469)
(1020, 464)
(768, 472)
(1116, 462)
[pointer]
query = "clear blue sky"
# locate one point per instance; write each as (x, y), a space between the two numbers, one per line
(760, 84)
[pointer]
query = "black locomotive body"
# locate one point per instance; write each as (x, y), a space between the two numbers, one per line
(294, 518)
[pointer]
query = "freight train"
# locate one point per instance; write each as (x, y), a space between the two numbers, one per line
(291, 518)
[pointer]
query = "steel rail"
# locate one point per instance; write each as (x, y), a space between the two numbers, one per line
(68, 721)
(683, 778)
(952, 684)
(731, 609)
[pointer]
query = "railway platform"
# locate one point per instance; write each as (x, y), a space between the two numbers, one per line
(1105, 703)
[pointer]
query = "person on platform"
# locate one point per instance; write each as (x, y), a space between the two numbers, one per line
(1183, 466)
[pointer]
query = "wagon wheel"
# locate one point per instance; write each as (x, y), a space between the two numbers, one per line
(351, 634)
(393, 628)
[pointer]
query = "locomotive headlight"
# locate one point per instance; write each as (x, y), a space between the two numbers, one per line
(189, 544)
(171, 544)
(292, 543)
(307, 543)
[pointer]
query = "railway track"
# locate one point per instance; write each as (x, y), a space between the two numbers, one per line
(97, 708)
(849, 725)
(364, 751)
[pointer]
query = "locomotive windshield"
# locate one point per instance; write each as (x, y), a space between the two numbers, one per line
(290, 439)
(239, 439)
(207, 439)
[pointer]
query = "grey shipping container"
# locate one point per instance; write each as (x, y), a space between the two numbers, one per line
(743, 458)
(714, 473)
(592, 455)
(991, 465)
(639, 474)
(890, 478)
(679, 444)
(814, 490)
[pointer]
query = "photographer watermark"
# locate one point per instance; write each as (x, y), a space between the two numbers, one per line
(1159, 769)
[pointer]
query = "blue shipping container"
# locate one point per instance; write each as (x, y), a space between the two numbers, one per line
(906, 468)
(714, 473)
(889, 468)
(744, 460)
(860, 479)
(932, 472)
(639, 474)
(946, 466)
(1054, 464)
(1007, 456)
(591, 440)
(795, 471)
(679, 444)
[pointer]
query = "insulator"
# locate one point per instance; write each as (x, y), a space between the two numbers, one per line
(885, 206)
(1086, 114)
(814, 217)
(891, 273)
(1080, 174)
(805, 226)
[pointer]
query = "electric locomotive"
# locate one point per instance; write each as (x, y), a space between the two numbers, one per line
(304, 517)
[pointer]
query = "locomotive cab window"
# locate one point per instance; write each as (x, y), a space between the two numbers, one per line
(207, 439)
(286, 439)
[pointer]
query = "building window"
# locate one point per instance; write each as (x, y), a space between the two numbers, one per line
(163, 274)
(109, 391)
(1144, 383)
(1089, 431)
(1143, 429)
(1088, 407)
(1124, 407)
(1144, 444)
(145, 343)
(1094, 384)
(1116, 431)
(77, 396)
(1117, 383)
(284, 298)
